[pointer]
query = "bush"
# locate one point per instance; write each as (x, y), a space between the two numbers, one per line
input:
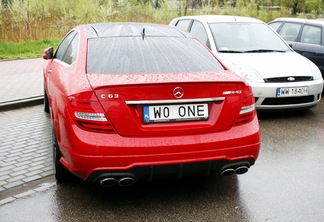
(24, 20)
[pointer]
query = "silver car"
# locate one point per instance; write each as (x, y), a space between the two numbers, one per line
(281, 79)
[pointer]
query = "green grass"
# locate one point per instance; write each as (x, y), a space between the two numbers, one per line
(28, 49)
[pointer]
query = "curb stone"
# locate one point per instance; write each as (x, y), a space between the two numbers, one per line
(21, 103)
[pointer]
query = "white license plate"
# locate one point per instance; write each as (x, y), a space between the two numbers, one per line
(294, 91)
(175, 113)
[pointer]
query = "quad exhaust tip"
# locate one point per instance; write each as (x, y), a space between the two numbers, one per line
(126, 181)
(241, 170)
(111, 181)
(231, 171)
(108, 182)
(129, 181)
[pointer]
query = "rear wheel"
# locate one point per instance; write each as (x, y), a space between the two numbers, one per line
(61, 174)
(46, 104)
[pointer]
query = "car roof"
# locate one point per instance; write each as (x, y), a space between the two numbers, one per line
(125, 29)
(300, 20)
(221, 18)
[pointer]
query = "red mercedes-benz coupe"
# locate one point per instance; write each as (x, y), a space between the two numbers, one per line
(135, 101)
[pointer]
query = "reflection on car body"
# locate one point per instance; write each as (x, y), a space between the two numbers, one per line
(135, 101)
(281, 79)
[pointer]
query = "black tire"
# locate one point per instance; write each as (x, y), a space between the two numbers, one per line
(61, 174)
(46, 104)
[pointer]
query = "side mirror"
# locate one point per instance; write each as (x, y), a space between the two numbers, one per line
(48, 53)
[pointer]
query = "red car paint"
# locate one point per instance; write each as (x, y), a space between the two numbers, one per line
(98, 118)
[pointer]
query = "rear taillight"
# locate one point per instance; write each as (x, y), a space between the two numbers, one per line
(88, 113)
(247, 112)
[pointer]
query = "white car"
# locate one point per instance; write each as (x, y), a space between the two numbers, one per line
(281, 79)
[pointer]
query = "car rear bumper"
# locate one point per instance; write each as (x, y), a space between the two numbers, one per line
(266, 96)
(111, 154)
(178, 171)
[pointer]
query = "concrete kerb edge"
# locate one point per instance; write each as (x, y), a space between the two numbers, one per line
(16, 104)
(40, 188)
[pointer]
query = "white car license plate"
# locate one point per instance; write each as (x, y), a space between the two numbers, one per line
(294, 91)
(175, 113)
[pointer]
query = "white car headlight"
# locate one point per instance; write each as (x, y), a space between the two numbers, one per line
(316, 72)
(248, 73)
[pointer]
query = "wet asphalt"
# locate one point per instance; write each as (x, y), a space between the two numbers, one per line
(285, 184)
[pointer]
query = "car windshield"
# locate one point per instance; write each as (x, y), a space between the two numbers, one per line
(132, 55)
(246, 37)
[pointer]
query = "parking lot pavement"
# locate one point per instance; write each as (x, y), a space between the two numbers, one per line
(21, 83)
(25, 132)
(25, 152)
(25, 137)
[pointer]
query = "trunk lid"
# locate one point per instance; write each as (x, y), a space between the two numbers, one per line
(169, 104)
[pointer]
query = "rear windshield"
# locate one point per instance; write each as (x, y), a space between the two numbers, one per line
(125, 55)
